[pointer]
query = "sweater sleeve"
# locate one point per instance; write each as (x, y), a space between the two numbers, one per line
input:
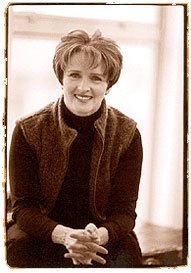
(124, 192)
(25, 188)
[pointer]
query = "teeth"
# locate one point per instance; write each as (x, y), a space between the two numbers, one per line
(83, 97)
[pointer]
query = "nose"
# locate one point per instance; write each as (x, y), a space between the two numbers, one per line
(84, 85)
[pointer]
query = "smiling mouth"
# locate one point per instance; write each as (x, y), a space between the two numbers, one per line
(83, 98)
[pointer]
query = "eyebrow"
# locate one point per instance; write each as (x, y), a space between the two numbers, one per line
(79, 71)
(98, 74)
(73, 70)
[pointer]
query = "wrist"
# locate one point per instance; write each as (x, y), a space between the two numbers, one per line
(103, 235)
(59, 234)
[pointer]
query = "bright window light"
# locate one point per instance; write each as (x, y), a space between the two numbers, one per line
(134, 13)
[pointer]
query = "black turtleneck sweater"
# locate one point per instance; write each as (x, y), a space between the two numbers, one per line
(72, 205)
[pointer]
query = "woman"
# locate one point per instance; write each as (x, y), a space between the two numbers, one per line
(75, 168)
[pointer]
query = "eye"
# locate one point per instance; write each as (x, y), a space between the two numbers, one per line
(96, 78)
(74, 75)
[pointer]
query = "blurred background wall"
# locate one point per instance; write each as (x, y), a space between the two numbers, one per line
(150, 89)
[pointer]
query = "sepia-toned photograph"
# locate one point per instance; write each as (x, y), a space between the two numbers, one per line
(96, 135)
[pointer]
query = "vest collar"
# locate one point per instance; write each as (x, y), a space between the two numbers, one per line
(100, 123)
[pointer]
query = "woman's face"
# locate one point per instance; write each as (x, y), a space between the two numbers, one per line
(84, 88)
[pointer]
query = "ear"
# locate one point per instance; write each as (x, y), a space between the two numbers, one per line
(107, 91)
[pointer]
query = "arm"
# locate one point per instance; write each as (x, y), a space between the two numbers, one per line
(124, 192)
(25, 188)
(26, 199)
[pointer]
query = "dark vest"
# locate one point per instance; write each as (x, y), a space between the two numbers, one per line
(51, 139)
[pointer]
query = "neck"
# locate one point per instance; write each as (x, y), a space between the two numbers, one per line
(80, 122)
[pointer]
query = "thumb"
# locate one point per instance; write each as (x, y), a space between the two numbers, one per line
(93, 231)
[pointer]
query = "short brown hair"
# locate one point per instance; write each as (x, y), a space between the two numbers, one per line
(97, 49)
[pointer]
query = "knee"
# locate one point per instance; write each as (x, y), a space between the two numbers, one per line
(22, 251)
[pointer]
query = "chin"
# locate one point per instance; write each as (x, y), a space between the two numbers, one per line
(84, 113)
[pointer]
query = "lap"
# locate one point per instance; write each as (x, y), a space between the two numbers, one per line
(24, 251)
(124, 258)
(125, 253)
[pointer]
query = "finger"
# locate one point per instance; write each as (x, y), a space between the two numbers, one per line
(92, 229)
(85, 238)
(81, 237)
(77, 247)
(75, 262)
(73, 255)
(88, 255)
(95, 257)
(93, 235)
(93, 247)
(86, 262)
(77, 257)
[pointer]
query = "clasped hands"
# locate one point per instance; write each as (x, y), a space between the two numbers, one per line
(83, 245)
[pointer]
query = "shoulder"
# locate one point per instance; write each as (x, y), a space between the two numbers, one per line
(37, 118)
(40, 121)
(120, 128)
(120, 119)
